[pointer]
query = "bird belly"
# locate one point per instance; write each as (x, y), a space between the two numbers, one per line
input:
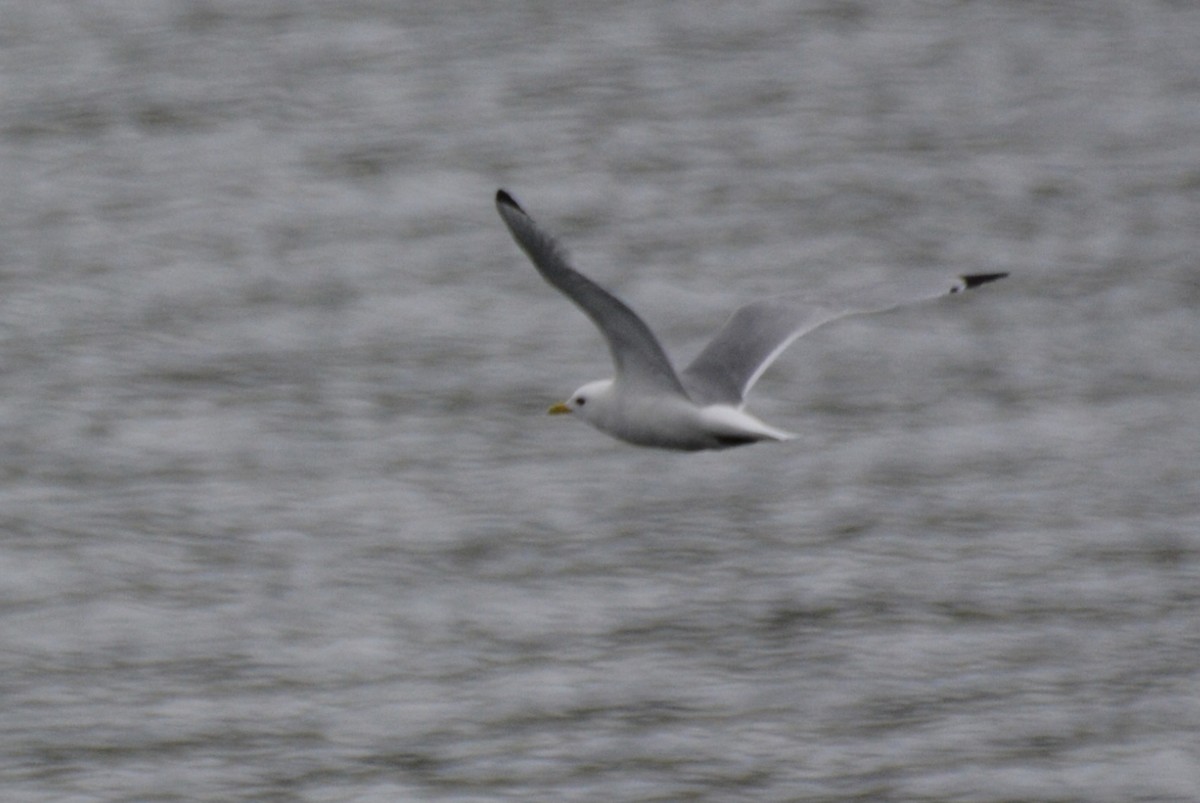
(680, 425)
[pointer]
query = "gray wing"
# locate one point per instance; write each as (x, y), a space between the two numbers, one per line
(638, 357)
(757, 333)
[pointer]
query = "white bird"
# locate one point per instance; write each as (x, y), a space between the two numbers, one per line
(647, 403)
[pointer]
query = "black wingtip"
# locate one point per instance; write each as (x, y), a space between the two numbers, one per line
(976, 279)
(503, 197)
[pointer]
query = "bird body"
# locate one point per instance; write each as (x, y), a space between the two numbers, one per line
(666, 421)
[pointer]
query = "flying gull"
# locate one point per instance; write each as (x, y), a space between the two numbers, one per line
(647, 403)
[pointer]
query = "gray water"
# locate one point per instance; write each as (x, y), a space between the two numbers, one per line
(282, 517)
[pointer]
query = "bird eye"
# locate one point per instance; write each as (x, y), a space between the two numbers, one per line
(580, 401)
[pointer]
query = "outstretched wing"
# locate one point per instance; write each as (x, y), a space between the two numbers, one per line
(757, 333)
(638, 357)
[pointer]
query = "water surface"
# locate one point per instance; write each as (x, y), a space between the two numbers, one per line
(280, 515)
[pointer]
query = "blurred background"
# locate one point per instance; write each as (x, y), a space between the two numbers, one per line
(282, 518)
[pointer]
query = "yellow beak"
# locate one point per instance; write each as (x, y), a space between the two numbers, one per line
(559, 409)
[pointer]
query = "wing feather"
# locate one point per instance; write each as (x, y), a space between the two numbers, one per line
(756, 334)
(639, 358)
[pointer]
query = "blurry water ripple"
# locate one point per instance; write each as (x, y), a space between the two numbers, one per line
(282, 517)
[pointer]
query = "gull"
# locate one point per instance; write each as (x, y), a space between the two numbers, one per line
(647, 403)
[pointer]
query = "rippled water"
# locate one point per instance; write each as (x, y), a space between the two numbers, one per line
(280, 515)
